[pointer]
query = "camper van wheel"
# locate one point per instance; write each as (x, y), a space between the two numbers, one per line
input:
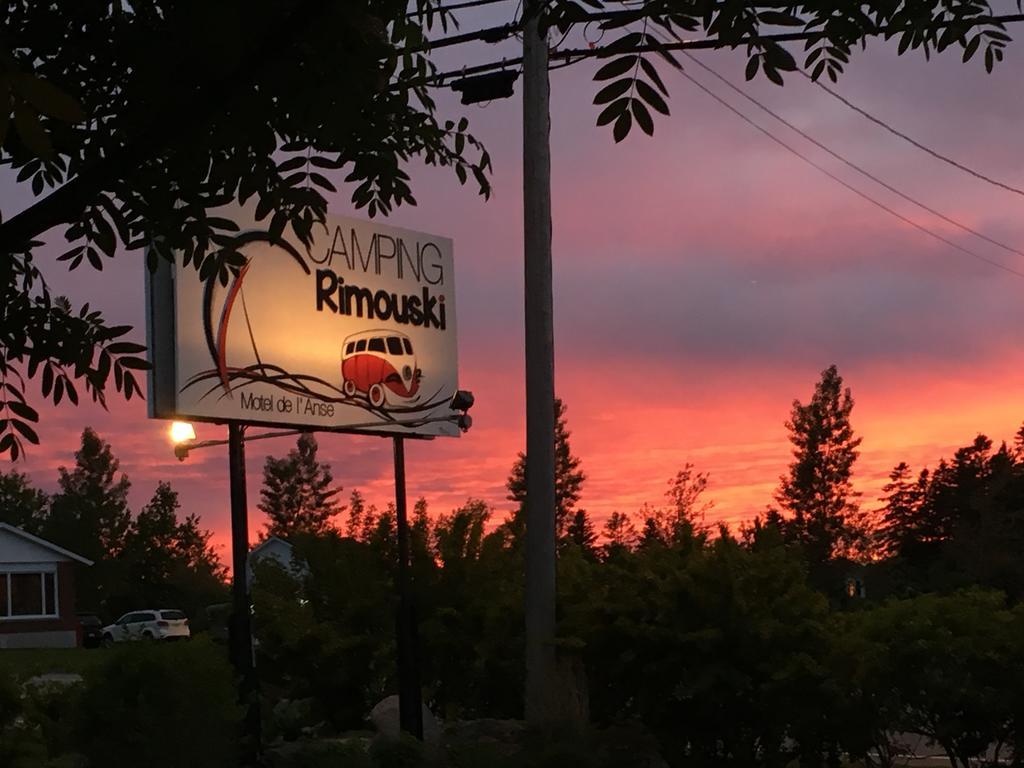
(349, 387)
(376, 395)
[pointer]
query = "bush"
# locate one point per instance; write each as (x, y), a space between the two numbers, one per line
(166, 706)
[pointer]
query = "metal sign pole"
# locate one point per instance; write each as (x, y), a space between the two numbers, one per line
(410, 703)
(241, 618)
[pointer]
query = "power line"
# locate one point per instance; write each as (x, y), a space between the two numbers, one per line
(850, 163)
(938, 155)
(838, 180)
(445, 8)
(574, 55)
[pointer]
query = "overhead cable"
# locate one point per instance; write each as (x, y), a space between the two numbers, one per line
(850, 163)
(938, 155)
(838, 180)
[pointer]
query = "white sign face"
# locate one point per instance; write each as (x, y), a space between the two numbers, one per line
(355, 333)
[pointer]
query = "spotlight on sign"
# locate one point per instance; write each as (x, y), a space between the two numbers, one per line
(462, 401)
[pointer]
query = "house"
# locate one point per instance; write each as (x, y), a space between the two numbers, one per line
(277, 549)
(37, 592)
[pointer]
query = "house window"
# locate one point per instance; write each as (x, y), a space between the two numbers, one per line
(28, 594)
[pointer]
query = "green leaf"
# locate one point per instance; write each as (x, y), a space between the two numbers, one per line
(615, 68)
(8, 443)
(136, 363)
(322, 181)
(971, 48)
(752, 65)
(652, 72)
(779, 18)
(26, 431)
(125, 348)
(613, 91)
(31, 132)
(612, 111)
(651, 96)
(23, 410)
(48, 98)
(643, 116)
(291, 164)
(621, 128)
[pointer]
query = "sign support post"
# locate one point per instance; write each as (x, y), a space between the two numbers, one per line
(241, 616)
(410, 703)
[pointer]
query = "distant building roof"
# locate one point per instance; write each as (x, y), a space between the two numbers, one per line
(49, 545)
(280, 550)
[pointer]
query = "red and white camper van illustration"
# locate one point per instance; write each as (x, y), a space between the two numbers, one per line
(381, 365)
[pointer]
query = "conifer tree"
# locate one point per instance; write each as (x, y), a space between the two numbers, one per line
(89, 515)
(901, 510)
(370, 524)
(580, 531)
(420, 532)
(817, 492)
(619, 533)
(298, 495)
(356, 510)
(568, 480)
(151, 546)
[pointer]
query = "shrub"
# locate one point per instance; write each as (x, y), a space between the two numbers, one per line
(166, 706)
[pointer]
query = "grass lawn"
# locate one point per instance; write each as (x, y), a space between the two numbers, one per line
(23, 663)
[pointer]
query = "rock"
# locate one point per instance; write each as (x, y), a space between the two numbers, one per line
(54, 679)
(384, 717)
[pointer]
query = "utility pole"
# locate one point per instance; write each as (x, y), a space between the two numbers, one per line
(541, 663)
(241, 618)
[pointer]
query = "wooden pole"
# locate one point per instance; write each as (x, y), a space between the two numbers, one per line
(541, 679)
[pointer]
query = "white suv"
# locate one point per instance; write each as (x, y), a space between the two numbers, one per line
(148, 625)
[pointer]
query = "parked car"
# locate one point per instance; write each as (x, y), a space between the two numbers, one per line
(162, 624)
(92, 629)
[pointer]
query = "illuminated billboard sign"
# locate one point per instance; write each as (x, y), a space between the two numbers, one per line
(355, 333)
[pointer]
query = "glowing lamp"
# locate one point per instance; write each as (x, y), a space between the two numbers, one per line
(182, 432)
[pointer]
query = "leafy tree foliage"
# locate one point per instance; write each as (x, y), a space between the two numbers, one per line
(683, 520)
(298, 495)
(133, 123)
(619, 533)
(960, 524)
(22, 505)
(89, 515)
(169, 562)
(632, 89)
(901, 498)
(568, 480)
(151, 559)
(581, 533)
(817, 492)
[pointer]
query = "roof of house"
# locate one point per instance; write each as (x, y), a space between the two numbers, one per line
(44, 543)
(266, 543)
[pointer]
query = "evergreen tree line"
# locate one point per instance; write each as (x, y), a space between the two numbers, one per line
(154, 558)
(820, 631)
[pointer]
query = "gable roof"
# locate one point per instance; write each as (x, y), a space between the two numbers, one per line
(266, 543)
(44, 543)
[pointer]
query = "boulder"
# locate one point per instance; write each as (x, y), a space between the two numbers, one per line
(384, 717)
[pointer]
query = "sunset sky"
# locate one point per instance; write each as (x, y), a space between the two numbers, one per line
(703, 279)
